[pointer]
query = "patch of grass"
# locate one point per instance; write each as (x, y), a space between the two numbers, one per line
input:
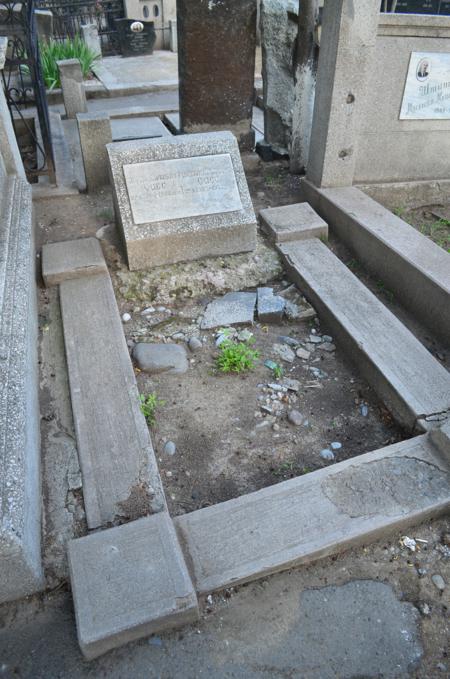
(149, 406)
(382, 288)
(439, 232)
(278, 372)
(236, 357)
(52, 51)
(399, 211)
(106, 214)
(290, 469)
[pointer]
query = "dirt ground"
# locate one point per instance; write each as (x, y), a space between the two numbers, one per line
(220, 454)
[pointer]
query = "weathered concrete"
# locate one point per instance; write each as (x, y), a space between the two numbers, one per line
(441, 438)
(161, 358)
(278, 36)
(292, 222)
(234, 308)
(89, 33)
(409, 194)
(72, 259)
(95, 134)
(202, 208)
(129, 582)
(72, 87)
(138, 128)
(349, 31)
(410, 381)
(270, 306)
(410, 264)
(120, 475)
(216, 65)
(20, 481)
(312, 516)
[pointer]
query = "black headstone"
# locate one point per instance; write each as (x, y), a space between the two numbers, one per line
(135, 44)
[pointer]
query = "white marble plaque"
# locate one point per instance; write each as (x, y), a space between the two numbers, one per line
(162, 190)
(427, 89)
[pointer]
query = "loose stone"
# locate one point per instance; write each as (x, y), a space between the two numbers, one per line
(160, 358)
(327, 338)
(315, 339)
(290, 341)
(178, 336)
(270, 306)
(336, 445)
(327, 346)
(438, 582)
(303, 354)
(149, 310)
(232, 309)
(327, 455)
(170, 448)
(284, 352)
(195, 344)
(295, 418)
(126, 318)
(291, 385)
(364, 410)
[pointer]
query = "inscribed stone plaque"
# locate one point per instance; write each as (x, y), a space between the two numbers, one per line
(186, 187)
(427, 88)
(180, 198)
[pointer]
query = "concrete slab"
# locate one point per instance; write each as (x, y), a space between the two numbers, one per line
(120, 476)
(234, 308)
(412, 266)
(312, 516)
(20, 477)
(410, 381)
(156, 72)
(72, 259)
(292, 222)
(145, 127)
(172, 122)
(129, 582)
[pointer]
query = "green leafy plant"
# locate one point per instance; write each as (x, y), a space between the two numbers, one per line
(278, 372)
(52, 51)
(236, 357)
(149, 406)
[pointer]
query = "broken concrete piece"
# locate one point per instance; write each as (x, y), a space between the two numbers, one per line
(292, 222)
(72, 259)
(161, 358)
(129, 582)
(234, 308)
(270, 306)
(284, 352)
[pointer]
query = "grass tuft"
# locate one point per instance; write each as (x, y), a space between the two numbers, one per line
(236, 357)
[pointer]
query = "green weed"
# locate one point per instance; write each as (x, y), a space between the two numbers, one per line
(236, 357)
(439, 232)
(149, 406)
(54, 50)
(278, 372)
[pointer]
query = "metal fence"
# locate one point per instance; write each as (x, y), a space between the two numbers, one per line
(69, 15)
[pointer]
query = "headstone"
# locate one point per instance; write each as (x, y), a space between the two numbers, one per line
(181, 198)
(89, 33)
(72, 86)
(427, 89)
(216, 64)
(95, 134)
(132, 43)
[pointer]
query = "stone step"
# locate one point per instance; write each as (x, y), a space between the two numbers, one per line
(121, 481)
(316, 515)
(292, 222)
(129, 582)
(414, 268)
(20, 487)
(410, 381)
(72, 259)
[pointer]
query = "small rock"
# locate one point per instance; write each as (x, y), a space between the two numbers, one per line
(315, 339)
(327, 346)
(126, 318)
(178, 336)
(160, 358)
(327, 454)
(232, 309)
(265, 424)
(284, 352)
(336, 445)
(161, 308)
(295, 418)
(290, 341)
(130, 343)
(275, 387)
(364, 410)
(438, 581)
(292, 385)
(441, 667)
(270, 306)
(303, 354)
(327, 338)
(276, 427)
(244, 335)
(170, 448)
(195, 344)
(446, 539)
(149, 310)
(425, 609)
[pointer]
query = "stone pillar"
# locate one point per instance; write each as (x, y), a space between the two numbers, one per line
(10, 153)
(95, 133)
(279, 25)
(72, 86)
(89, 33)
(216, 64)
(347, 42)
(305, 71)
(173, 36)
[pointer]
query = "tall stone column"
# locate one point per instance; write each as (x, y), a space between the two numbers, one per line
(216, 64)
(305, 71)
(347, 45)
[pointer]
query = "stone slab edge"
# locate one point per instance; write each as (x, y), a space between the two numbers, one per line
(370, 530)
(418, 290)
(65, 260)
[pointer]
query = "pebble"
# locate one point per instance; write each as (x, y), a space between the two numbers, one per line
(295, 417)
(284, 352)
(161, 308)
(170, 448)
(315, 339)
(336, 445)
(328, 346)
(195, 344)
(275, 387)
(149, 310)
(276, 427)
(327, 454)
(364, 410)
(291, 385)
(425, 609)
(265, 424)
(126, 317)
(303, 354)
(438, 581)
(178, 336)
(290, 341)
(327, 338)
